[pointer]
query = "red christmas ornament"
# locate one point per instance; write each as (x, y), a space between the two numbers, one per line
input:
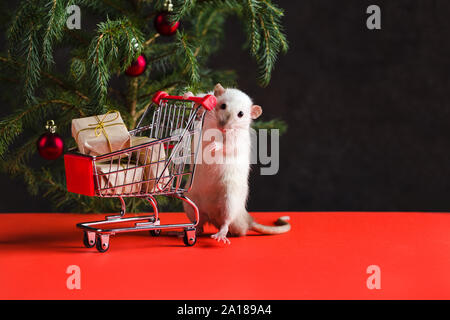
(50, 145)
(137, 67)
(164, 26)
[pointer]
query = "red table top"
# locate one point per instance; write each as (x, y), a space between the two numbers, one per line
(324, 256)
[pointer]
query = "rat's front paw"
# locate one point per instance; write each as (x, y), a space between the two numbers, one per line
(219, 236)
(187, 95)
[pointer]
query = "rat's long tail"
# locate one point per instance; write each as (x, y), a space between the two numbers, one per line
(281, 226)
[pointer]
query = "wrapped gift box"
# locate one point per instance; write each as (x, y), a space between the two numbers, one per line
(153, 158)
(124, 178)
(100, 134)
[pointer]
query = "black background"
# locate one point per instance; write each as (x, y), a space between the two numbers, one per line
(367, 110)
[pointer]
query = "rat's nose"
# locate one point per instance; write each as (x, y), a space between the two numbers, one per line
(223, 120)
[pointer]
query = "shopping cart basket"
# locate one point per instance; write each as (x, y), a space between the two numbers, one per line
(175, 124)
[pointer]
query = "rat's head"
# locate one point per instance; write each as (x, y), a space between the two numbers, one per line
(234, 109)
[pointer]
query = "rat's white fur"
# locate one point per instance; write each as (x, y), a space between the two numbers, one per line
(220, 190)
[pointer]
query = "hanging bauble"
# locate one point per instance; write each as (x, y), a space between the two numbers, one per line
(137, 67)
(164, 26)
(50, 145)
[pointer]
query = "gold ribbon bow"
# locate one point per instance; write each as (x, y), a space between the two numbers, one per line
(99, 127)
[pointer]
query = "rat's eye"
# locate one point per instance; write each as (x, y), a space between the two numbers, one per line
(223, 106)
(240, 114)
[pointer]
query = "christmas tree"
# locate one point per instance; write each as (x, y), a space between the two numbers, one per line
(137, 48)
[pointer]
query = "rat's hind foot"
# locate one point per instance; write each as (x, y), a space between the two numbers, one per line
(220, 236)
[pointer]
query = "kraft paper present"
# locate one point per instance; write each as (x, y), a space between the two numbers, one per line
(153, 157)
(100, 134)
(117, 175)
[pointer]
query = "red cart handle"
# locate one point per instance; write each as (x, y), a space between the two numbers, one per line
(208, 102)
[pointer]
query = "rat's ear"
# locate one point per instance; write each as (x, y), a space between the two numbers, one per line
(218, 90)
(255, 111)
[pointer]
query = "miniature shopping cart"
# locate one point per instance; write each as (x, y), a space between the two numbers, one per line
(141, 171)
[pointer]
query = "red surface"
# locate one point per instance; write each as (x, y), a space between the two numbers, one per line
(324, 256)
(79, 174)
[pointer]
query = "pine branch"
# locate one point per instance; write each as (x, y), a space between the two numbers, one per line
(261, 19)
(78, 68)
(182, 9)
(109, 8)
(40, 25)
(116, 46)
(56, 17)
(188, 57)
(32, 66)
(18, 159)
(268, 57)
(48, 76)
(153, 38)
(12, 125)
(64, 86)
(271, 124)
(279, 34)
(254, 34)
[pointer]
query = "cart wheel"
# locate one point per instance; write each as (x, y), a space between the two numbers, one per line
(86, 242)
(155, 232)
(102, 243)
(189, 238)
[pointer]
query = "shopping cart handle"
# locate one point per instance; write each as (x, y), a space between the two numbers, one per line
(208, 102)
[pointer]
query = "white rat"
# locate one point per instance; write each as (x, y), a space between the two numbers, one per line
(220, 190)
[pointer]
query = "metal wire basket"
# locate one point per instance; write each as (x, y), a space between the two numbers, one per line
(161, 161)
